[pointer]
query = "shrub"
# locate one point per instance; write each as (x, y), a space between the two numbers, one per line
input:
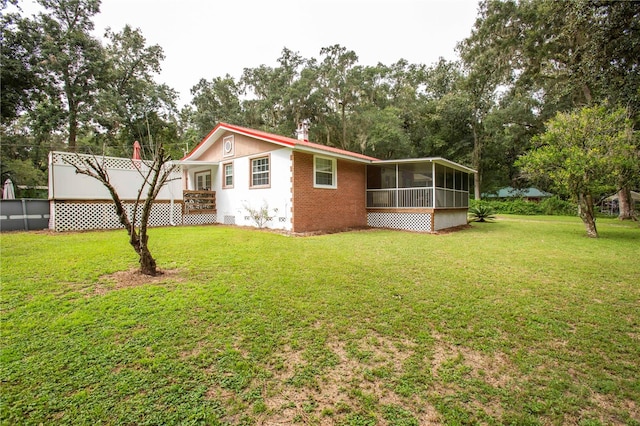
(557, 206)
(549, 206)
(481, 213)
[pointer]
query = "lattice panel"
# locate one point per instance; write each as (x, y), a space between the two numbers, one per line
(199, 219)
(407, 221)
(109, 162)
(80, 216)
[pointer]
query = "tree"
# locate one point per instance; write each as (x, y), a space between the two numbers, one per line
(338, 88)
(72, 59)
(131, 105)
(19, 81)
(581, 154)
(563, 54)
(155, 174)
(215, 101)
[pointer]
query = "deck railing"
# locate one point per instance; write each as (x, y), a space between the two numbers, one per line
(196, 202)
(400, 198)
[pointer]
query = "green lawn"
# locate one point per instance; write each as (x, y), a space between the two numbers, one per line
(521, 321)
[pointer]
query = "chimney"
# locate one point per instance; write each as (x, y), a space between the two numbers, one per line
(303, 130)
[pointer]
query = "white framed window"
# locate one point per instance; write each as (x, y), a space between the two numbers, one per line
(228, 148)
(260, 172)
(227, 169)
(203, 181)
(324, 172)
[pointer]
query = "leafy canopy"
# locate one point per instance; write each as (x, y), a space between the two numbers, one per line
(582, 152)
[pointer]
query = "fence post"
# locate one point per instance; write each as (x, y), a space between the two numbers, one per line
(24, 215)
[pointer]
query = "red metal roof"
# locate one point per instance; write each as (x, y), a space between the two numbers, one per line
(280, 140)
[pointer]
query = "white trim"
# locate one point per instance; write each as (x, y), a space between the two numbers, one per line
(252, 173)
(196, 163)
(224, 175)
(334, 172)
(327, 153)
(228, 146)
(204, 174)
(440, 160)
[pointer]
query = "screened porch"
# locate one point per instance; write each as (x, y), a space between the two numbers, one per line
(420, 183)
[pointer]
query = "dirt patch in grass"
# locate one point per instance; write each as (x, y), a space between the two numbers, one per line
(454, 366)
(342, 388)
(609, 408)
(134, 278)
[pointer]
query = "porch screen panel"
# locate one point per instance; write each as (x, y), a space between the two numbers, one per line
(381, 177)
(415, 175)
(458, 179)
(440, 175)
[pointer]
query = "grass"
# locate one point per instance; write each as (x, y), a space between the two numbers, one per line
(521, 321)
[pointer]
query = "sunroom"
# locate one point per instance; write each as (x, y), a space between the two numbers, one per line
(426, 194)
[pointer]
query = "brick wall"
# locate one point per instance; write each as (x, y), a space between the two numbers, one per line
(316, 209)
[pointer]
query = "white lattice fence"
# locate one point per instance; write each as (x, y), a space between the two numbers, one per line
(199, 219)
(109, 162)
(395, 220)
(79, 216)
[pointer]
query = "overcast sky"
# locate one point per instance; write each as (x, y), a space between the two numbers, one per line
(212, 38)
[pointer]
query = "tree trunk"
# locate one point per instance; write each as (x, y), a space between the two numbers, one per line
(476, 186)
(72, 119)
(147, 262)
(73, 131)
(625, 204)
(586, 212)
(476, 156)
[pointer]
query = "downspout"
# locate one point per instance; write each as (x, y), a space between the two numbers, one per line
(171, 221)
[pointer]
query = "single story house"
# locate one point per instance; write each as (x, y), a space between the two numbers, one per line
(248, 177)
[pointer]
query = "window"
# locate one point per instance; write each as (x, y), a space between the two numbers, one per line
(227, 146)
(260, 171)
(203, 181)
(228, 175)
(324, 172)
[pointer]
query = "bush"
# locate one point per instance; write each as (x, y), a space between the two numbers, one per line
(481, 213)
(549, 206)
(558, 207)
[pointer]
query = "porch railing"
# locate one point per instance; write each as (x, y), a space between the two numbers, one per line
(197, 202)
(400, 197)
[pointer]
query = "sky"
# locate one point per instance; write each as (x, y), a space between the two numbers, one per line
(212, 38)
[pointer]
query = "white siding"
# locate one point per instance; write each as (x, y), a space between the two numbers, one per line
(449, 219)
(66, 184)
(231, 203)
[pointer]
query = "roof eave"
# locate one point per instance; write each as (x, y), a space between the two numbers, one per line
(320, 151)
(428, 159)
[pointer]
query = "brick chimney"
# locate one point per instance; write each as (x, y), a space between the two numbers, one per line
(303, 130)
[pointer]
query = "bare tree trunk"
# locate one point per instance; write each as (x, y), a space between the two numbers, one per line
(147, 262)
(476, 155)
(157, 176)
(625, 204)
(586, 212)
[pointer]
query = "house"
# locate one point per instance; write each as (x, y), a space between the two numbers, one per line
(611, 205)
(527, 194)
(295, 185)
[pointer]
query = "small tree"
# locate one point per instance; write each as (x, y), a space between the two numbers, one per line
(581, 153)
(157, 175)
